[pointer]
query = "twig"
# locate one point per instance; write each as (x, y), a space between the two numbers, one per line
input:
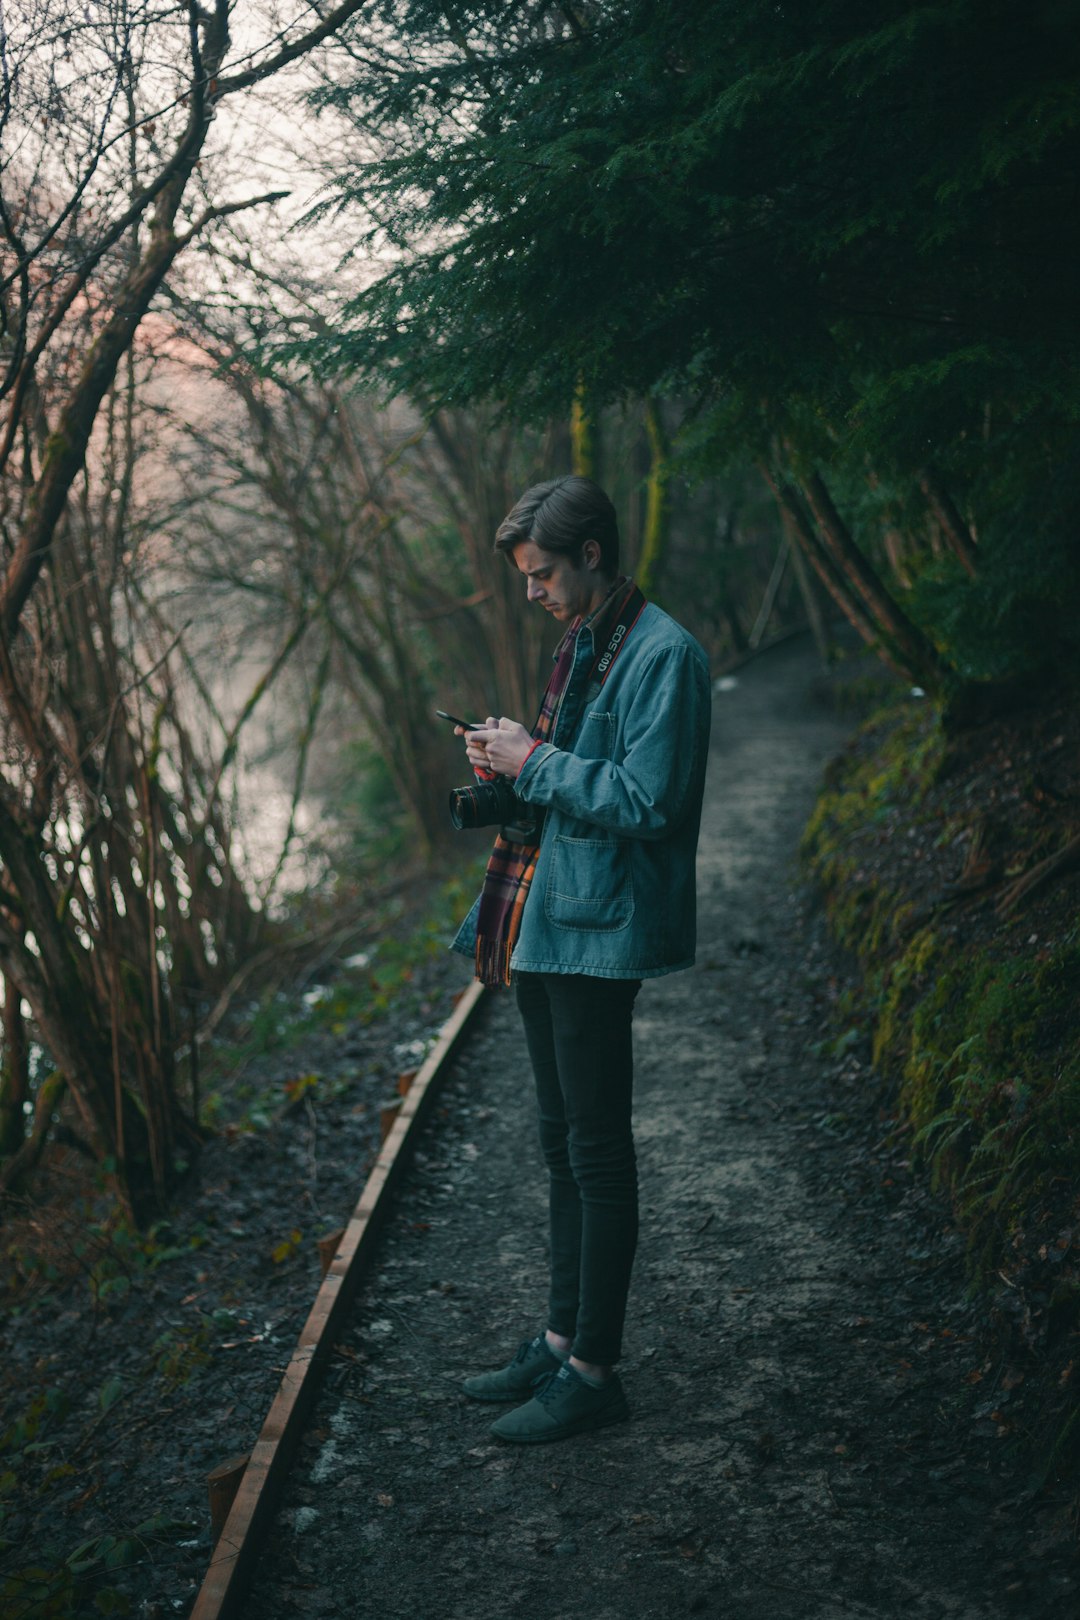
(1037, 876)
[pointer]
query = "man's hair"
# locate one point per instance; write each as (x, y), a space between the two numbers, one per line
(560, 515)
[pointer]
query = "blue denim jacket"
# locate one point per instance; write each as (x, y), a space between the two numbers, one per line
(621, 781)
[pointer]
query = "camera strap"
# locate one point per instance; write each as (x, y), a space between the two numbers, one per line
(625, 604)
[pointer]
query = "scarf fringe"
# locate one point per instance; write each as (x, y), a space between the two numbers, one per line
(493, 961)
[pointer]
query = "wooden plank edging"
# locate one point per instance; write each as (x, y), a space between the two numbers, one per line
(233, 1562)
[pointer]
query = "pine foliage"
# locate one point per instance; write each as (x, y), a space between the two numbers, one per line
(850, 227)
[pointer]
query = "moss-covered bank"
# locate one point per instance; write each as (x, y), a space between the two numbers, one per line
(971, 992)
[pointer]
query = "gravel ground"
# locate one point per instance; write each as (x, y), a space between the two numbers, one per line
(813, 1433)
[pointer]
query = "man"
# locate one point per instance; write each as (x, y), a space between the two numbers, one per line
(603, 900)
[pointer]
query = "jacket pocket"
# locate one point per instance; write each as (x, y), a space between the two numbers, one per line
(589, 885)
(596, 739)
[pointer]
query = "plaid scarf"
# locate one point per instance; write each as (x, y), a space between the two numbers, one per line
(511, 866)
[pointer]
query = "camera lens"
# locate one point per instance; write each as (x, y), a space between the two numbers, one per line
(464, 808)
(483, 804)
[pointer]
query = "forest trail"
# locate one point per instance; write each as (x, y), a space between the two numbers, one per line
(807, 1441)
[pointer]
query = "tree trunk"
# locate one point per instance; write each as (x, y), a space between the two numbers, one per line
(16, 1170)
(657, 500)
(807, 589)
(834, 582)
(950, 522)
(583, 440)
(14, 1074)
(911, 647)
(83, 1036)
(729, 612)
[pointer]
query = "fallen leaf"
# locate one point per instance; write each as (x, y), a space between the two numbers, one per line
(286, 1248)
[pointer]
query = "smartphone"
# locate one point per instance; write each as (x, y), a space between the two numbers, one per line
(469, 725)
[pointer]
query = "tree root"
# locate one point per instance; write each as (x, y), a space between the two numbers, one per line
(1038, 876)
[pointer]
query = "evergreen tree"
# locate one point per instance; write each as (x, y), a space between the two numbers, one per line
(847, 232)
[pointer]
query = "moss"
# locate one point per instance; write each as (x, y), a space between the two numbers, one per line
(980, 1034)
(995, 1107)
(929, 1043)
(893, 763)
(906, 979)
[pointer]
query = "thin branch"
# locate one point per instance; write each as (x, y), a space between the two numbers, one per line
(223, 210)
(300, 777)
(290, 53)
(261, 687)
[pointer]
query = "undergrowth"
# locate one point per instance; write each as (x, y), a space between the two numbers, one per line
(973, 1012)
(83, 1258)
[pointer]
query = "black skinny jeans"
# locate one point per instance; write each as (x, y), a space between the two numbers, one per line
(578, 1030)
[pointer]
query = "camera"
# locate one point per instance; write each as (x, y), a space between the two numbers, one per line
(495, 804)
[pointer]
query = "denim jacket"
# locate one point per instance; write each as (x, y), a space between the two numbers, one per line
(621, 782)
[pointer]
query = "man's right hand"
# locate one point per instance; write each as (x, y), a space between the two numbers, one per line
(475, 751)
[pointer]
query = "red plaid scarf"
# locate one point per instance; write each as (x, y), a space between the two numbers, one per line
(511, 866)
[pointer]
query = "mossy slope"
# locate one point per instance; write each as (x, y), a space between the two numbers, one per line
(974, 1008)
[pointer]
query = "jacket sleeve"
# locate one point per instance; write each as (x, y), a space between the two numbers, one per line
(665, 738)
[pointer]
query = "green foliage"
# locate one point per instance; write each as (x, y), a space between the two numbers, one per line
(111, 1256)
(361, 994)
(846, 230)
(456, 896)
(79, 1584)
(983, 1044)
(890, 767)
(116, 1253)
(994, 1096)
(369, 804)
(179, 1357)
(30, 1429)
(1021, 614)
(837, 200)
(52, 1587)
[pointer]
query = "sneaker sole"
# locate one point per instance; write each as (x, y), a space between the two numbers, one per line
(513, 1395)
(583, 1425)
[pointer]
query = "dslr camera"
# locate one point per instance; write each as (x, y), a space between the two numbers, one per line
(495, 804)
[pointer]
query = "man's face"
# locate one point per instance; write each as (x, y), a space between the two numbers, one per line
(563, 588)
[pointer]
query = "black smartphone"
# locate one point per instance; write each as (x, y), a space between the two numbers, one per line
(469, 725)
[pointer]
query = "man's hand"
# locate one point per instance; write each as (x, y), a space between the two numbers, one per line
(501, 746)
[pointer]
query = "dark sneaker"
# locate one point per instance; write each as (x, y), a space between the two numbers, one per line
(563, 1404)
(535, 1359)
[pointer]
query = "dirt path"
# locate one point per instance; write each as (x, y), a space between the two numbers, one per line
(808, 1441)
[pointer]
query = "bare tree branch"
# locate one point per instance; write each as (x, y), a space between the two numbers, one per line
(299, 47)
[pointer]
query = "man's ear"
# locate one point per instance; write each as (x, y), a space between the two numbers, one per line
(590, 552)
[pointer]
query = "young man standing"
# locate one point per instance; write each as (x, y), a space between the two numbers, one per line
(604, 899)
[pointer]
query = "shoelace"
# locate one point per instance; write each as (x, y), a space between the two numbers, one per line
(545, 1391)
(525, 1348)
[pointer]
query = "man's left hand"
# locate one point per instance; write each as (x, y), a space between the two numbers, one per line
(507, 747)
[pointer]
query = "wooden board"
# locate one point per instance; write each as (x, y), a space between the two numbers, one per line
(233, 1562)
